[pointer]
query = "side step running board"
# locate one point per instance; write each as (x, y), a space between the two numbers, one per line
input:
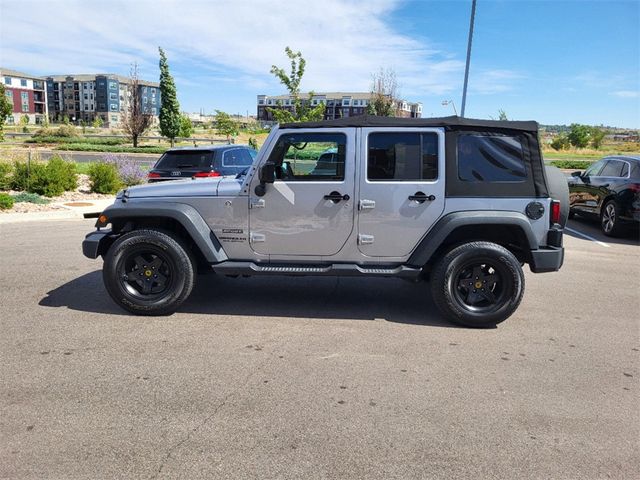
(335, 269)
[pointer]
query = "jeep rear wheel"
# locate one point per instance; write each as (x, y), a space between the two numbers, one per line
(478, 284)
(148, 272)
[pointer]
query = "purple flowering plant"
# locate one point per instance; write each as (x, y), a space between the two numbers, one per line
(130, 171)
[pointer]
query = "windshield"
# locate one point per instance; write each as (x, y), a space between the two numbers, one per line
(186, 159)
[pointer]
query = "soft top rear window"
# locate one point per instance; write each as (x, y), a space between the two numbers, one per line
(186, 159)
(491, 158)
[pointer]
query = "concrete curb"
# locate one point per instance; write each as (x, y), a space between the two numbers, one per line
(66, 210)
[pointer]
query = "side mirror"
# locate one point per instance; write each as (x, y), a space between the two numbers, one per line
(577, 173)
(267, 173)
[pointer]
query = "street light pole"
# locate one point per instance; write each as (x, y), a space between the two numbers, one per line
(466, 68)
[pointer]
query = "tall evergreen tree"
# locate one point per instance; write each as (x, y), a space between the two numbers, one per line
(170, 118)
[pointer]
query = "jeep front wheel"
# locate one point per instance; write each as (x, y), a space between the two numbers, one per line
(478, 284)
(148, 272)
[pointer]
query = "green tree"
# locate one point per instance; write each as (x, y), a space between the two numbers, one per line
(225, 125)
(170, 117)
(302, 110)
(6, 107)
(502, 115)
(597, 136)
(384, 94)
(186, 127)
(97, 122)
(65, 119)
(579, 135)
(24, 121)
(560, 142)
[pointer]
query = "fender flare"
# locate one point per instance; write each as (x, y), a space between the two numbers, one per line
(447, 224)
(184, 214)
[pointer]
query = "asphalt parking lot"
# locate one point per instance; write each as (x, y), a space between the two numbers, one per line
(315, 377)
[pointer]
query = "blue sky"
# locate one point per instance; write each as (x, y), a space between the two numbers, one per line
(551, 61)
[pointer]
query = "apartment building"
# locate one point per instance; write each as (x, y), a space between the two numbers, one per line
(337, 105)
(28, 95)
(87, 97)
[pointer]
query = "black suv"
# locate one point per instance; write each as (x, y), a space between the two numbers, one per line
(609, 190)
(208, 161)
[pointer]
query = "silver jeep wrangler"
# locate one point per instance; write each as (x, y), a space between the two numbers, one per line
(461, 203)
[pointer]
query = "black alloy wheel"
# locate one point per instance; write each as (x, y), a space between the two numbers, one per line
(477, 284)
(149, 272)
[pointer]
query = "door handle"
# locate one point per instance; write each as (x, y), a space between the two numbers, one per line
(421, 197)
(335, 197)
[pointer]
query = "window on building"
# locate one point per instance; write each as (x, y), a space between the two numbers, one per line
(402, 157)
(113, 86)
(346, 102)
(23, 82)
(7, 80)
(113, 96)
(114, 118)
(144, 100)
(86, 107)
(9, 94)
(114, 107)
(490, 158)
(310, 156)
(153, 100)
(86, 97)
(25, 101)
(260, 102)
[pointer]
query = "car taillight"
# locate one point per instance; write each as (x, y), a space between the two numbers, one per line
(207, 174)
(555, 212)
(153, 175)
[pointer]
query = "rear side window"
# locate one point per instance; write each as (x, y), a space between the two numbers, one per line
(186, 159)
(613, 168)
(402, 157)
(491, 158)
(237, 158)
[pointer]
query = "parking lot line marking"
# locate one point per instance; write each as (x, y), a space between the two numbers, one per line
(588, 237)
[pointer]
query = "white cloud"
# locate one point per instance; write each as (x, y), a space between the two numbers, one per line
(230, 41)
(625, 94)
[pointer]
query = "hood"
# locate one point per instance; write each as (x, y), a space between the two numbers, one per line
(200, 187)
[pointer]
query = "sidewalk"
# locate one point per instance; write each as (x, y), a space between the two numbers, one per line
(75, 209)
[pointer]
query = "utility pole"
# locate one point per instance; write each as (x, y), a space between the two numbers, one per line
(466, 68)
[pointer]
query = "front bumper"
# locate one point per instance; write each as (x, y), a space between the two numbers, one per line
(97, 243)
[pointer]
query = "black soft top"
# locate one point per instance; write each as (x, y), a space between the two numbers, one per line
(451, 123)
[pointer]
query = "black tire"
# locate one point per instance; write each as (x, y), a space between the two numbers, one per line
(149, 272)
(559, 190)
(495, 289)
(610, 219)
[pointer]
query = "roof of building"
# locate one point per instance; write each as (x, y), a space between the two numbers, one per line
(14, 73)
(90, 77)
(452, 121)
(330, 95)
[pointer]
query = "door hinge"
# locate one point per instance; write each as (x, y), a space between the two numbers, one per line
(365, 239)
(367, 204)
(256, 203)
(256, 237)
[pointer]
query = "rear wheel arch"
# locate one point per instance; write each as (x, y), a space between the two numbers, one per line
(511, 230)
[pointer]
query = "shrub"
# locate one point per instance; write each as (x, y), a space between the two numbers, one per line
(130, 171)
(91, 147)
(25, 197)
(6, 201)
(104, 178)
(560, 142)
(51, 179)
(253, 143)
(65, 131)
(572, 164)
(5, 172)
